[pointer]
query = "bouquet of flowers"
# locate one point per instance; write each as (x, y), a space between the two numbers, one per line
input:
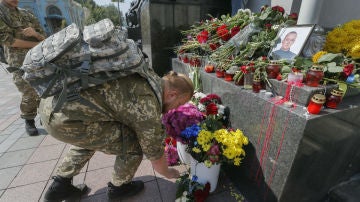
(191, 190)
(176, 120)
(210, 141)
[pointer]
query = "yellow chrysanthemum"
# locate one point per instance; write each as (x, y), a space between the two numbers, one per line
(316, 56)
(196, 150)
(237, 161)
(206, 147)
(352, 27)
(355, 51)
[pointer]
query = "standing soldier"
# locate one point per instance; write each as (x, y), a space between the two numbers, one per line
(20, 31)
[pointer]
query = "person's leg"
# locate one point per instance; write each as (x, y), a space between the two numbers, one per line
(128, 159)
(29, 102)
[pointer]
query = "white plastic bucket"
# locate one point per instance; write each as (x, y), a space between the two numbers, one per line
(205, 174)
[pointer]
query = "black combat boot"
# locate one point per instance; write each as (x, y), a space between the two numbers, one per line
(62, 189)
(31, 128)
(125, 190)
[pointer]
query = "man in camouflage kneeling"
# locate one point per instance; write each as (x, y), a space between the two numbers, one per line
(123, 119)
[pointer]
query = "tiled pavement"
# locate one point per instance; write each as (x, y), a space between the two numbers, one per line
(27, 163)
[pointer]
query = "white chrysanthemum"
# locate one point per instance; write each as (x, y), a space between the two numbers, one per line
(199, 95)
(202, 107)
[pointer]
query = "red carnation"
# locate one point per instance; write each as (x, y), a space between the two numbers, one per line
(214, 98)
(214, 46)
(211, 108)
(223, 33)
(234, 30)
(203, 36)
(201, 195)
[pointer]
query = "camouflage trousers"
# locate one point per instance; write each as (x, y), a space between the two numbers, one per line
(30, 100)
(124, 120)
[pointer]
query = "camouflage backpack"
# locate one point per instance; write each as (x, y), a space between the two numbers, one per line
(69, 61)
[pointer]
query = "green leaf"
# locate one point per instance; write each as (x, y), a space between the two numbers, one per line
(285, 69)
(343, 87)
(327, 57)
(331, 67)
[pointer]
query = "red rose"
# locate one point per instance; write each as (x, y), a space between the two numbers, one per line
(234, 30)
(348, 69)
(211, 108)
(201, 195)
(268, 26)
(279, 77)
(293, 16)
(244, 69)
(279, 9)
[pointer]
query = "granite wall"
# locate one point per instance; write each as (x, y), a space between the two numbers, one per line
(293, 156)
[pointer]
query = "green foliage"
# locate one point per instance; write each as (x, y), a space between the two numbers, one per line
(98, 13)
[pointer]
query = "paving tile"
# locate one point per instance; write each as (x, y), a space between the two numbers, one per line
(47, 153)
(145, 172)
(167, 189)
(149, 194)
(11, 140)
(97, 180)
(26, 193)
(9, 130)
(49, 140)
(16, 158)
(7, 175)
(27, 143)
(1, 192)
(101, 160)
(32, 173)
(95, 198)
(4, 124)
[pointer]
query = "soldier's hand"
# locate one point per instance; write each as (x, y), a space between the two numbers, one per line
(29, 31)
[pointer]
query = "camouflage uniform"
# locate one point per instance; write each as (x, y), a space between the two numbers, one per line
(19, 19)
(124, 120)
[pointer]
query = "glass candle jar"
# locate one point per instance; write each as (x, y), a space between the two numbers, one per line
(334, 99)
(273, 70)
(220, 73)
(229, 76)
(256, 85)
(314, 75)
(316, 103)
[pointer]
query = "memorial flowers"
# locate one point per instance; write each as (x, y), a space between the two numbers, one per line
(191, 190)
(176, 120)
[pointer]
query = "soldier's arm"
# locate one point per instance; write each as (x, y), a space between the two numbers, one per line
(19, 43)
(31, 32)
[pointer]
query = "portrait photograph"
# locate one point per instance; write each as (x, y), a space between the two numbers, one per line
(290, 42)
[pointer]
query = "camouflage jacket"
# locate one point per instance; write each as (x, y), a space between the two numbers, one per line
(11, 23)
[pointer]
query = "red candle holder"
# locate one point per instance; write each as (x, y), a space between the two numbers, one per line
(314, 75)
(256, 85)
(334, 99)
(316, 103)
(273, 70)
(220, 73)
(229, 76)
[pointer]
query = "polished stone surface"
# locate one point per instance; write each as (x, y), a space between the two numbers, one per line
(301, 156)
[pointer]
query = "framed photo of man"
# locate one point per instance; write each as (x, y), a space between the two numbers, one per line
(291, 41)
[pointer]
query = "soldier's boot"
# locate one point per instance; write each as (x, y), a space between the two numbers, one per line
(125, 190)
(31, 128)
(62, 189)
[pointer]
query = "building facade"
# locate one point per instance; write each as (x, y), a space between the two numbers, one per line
(55, 14)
